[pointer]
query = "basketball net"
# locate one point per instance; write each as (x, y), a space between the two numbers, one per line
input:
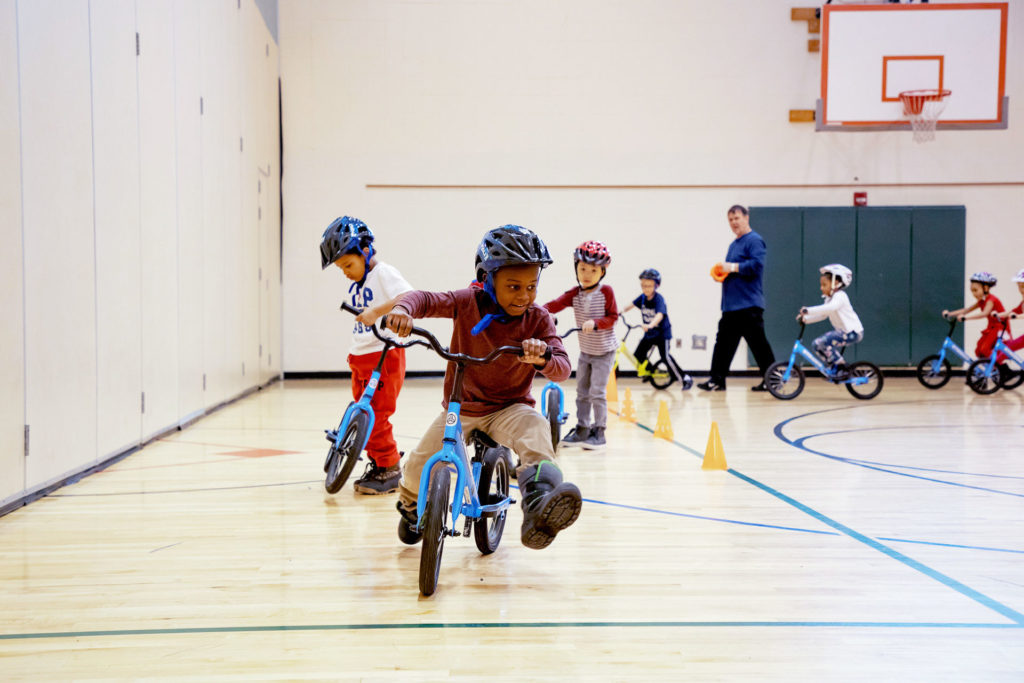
(923, 108)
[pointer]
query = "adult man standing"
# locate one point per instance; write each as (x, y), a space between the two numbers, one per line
(742, 303)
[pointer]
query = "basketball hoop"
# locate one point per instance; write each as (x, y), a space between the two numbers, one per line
(923, 108)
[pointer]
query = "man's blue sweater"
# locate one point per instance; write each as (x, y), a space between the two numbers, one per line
(743, 289)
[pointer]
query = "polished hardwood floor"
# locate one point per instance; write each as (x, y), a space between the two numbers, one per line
(849, 540)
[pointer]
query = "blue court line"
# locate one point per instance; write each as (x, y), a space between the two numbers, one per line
(949, 581)
(511, 625)
(799, 443)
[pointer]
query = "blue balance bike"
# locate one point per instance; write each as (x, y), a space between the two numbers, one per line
(934, 371)
(985, 376)
(785, 379)
(481, 486)
(349, 439)
(552, 404)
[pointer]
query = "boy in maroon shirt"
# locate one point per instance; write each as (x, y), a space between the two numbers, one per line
(496, 397)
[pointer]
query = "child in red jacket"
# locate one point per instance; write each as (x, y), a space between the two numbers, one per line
(496, 397)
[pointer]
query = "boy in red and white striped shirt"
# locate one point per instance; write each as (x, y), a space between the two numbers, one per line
(596, 313)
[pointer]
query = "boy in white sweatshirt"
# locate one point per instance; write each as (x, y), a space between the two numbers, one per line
(835, 278)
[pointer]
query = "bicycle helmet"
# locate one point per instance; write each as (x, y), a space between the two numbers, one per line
(984, 277)
(593, 252)
(838, 272)
(651, 274)
(1019, 277)
(345, 235)
(509, 245)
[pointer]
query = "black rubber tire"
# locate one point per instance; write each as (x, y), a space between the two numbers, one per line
(867, 391)
(785, 391)
(980, 381)
(493, 487)
(927, 376)
(661, 375)
(553, 415)
(1012, 379)
(341, 461)
(434, 531)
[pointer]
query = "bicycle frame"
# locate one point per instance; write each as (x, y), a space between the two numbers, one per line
(362, 405)
(641, 366)
(562, 415)
(950, 345)
(1001, 347)
(812, 358)
(466, 501)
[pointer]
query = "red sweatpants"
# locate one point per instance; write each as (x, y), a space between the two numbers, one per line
(983, 349)
(381, 446)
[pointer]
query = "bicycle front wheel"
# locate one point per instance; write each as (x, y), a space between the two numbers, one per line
(661, 375)
(868, 380)
(982, 379)
(493, 488)
(342, 459)
(777, 384)
(933, 374)
(434, 527)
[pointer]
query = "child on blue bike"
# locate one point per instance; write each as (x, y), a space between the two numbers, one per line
(835, 278)
(348, 244)
(496, 397)
(596, 313)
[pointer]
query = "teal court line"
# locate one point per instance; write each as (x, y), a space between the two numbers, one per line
(510, 625)
(944, 579)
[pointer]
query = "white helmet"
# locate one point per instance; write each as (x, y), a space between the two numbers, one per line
(838, 272)
(1019, 277)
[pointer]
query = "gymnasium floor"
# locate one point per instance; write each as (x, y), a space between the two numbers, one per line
(850, 540)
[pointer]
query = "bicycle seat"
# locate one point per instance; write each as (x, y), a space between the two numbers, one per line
(483, 438)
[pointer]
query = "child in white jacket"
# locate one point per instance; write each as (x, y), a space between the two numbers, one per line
(835, 278)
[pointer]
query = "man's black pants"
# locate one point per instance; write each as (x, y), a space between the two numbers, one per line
(748, 324)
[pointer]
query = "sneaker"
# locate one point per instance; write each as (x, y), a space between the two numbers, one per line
(759, 387)
(595, 440)
(711, 385)
(576, 436)
(687, 382)
(841, 373)
(407, 531)
(550, 505)
(378, 480)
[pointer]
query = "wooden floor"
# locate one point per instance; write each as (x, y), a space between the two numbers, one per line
(850, 540)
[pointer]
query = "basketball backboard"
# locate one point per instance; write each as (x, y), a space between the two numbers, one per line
(872, 52)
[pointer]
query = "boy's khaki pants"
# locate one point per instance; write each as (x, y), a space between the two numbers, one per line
(518, 426)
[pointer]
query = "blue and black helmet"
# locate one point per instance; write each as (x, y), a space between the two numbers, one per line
(345, 235)
(651, 274)
(510, 245)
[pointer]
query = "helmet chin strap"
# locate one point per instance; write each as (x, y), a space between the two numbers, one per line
(489, 317)
(366, 264)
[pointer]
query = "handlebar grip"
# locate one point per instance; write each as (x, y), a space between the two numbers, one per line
(348, 308)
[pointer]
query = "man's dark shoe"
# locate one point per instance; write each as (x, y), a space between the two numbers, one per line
(711, 385)
(759, 387)
(407, 532)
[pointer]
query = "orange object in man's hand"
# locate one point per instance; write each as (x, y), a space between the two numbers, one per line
(718, 274)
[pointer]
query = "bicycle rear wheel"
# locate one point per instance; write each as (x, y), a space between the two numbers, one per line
(777, 384)
(1011, 378)
(661, 375)
(493, 488)
(342, 459)
(434, 531)
(872, 380)
(552, 401)
(933, 374)
(981, 379)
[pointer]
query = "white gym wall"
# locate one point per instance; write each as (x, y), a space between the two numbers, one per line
(588, 92)
(140, 236)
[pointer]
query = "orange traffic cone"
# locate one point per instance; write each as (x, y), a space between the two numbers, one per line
(628, 411)
(714, 454)
(663, 429)
(613, 393)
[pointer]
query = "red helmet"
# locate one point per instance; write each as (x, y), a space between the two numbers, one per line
(592, 252)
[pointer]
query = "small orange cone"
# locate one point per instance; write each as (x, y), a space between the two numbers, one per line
(663, 429)
(714, 454)
(628, 411)
(613, 392)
